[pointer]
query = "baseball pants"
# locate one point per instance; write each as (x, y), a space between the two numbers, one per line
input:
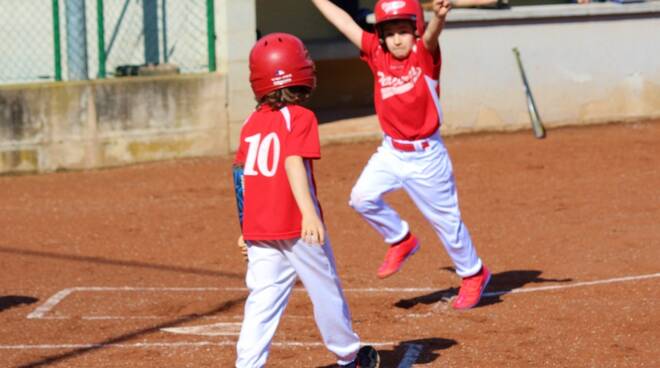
(273, 268)
(426, 174)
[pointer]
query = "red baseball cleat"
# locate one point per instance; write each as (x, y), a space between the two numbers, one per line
(396, 255)
(472, 288)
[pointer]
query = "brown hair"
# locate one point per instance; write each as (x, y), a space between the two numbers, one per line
(294, 95)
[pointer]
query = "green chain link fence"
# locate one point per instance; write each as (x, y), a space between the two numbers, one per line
(89, 39)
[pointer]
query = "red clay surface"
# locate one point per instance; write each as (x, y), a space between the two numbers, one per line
(582, 205)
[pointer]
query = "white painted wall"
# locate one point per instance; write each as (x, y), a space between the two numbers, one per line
(603, 69)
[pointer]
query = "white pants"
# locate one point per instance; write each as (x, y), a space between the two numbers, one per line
(427, 176)
(273, 269)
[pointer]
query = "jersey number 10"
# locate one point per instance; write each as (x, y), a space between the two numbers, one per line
(258, 152)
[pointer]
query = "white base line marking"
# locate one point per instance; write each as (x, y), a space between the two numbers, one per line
(183, 344)
(216, 329)
(577, 284)
(42, 310)
(50, 303)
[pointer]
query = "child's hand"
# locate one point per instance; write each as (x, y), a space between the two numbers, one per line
(441, 7)
(313, 231)
(243, 246)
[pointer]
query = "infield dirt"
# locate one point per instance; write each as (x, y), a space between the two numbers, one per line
(581, 205)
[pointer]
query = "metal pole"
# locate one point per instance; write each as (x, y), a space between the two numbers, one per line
(164, 29)
(101, 38)
(76, 39)
(210, 33)
(150, 19)
(57, 47)
(115, 31)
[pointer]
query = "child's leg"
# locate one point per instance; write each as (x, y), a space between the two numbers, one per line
(377, 178)
(315, 266)
(270, 279)
(433, 189)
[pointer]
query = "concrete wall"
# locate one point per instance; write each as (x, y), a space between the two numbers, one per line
(83, 125)
(107, 123)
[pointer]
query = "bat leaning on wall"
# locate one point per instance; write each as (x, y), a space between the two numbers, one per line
(537, 125)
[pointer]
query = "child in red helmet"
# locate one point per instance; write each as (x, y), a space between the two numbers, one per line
(281, 217)
(405, 62)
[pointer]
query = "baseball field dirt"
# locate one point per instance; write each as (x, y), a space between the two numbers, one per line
(138, 267)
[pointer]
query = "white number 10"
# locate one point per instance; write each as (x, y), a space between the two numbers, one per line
(258, 153)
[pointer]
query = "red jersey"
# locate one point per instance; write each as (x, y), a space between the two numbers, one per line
(268, 137)
(406, 92)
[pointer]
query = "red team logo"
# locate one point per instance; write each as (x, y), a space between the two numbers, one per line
(281, 78)
(391, 85)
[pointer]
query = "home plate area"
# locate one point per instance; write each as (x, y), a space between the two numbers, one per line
(148, 318)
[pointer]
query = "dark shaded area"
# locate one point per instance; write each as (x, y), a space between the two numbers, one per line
(359, 15)
(328, 115)
(344, 90)
(224, 307)
(420, 351)
(11, 301)
(112, 262)
(501, 283)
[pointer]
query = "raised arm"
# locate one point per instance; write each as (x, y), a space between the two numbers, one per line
(436, 24)
(341, 20)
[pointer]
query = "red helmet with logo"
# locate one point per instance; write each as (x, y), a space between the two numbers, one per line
(387, 10)
(280, 60)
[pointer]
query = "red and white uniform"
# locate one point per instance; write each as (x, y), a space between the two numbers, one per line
(412, 155)
(277, 256)
(267, 139)
(405, 91)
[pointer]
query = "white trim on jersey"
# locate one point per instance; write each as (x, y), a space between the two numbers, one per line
(432, 85)
(287, 117)
(310, 183)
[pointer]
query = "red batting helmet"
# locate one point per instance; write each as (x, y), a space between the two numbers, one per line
(387, 10)
(280, 60)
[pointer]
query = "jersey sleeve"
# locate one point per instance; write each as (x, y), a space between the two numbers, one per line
(369, 45)
(303, 140)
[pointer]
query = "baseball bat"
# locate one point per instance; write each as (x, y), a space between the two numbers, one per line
(537, 125)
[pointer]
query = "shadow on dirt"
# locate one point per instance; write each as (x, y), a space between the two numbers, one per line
(11, 301)
(140, 334)
(407, 353)
(500, 284)
(112, 262)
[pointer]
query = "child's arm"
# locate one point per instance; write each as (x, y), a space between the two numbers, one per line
(436, 24)
(341, 20)
(312, 228)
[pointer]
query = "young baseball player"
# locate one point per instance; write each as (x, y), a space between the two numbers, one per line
(405, 62)
(281, 218)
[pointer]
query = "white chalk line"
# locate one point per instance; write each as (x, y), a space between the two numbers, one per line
(568, 286)
(216, 329)
(50, 303)
(181, 344)
(41, 311)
